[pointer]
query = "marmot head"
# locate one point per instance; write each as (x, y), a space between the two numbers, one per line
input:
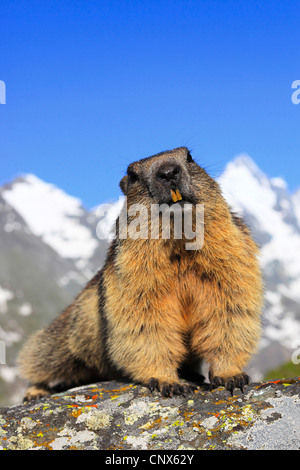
(167, 178)
(170, 197)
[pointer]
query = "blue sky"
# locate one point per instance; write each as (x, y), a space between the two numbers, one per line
(94, 85)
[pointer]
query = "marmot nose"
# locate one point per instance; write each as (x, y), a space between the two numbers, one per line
(169, 173)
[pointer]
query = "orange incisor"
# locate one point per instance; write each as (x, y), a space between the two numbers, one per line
(176, 196)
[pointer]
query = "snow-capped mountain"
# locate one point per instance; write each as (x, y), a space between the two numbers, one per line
(273, 215)
(57, 218)
(50, 246)
(48, 251)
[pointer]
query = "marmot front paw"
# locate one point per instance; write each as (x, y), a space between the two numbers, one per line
(169, 389)
(230, 383)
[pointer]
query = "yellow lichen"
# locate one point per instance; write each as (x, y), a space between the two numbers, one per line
(97, 420)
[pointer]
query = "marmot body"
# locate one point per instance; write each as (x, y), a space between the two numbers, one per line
(156, 307)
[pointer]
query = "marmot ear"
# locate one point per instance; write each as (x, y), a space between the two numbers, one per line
(123, 184)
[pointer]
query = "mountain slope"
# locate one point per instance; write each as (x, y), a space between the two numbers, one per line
(57, 218)
(270, 208)
(41, 271)
(272, 214)
(33, 285)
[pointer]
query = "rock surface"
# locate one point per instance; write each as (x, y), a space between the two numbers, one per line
(116, 415)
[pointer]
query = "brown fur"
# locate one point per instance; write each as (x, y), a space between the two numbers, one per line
(154, 305)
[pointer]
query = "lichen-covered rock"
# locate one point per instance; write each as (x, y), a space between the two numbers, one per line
(115, 415)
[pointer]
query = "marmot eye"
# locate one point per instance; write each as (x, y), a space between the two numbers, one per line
(132, 176)
(189, 157)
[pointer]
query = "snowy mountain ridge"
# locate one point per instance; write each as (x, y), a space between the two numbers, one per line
(272, 212)
(52, 214)
(273, 215)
